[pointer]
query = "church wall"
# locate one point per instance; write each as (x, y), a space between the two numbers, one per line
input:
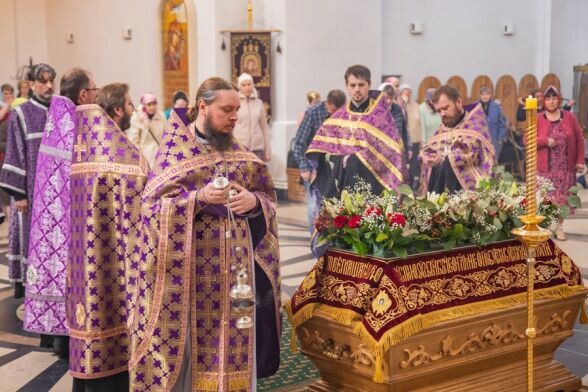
(99, 45)
(569, 40)
(320, 39)
(23, 31)
(464, 37)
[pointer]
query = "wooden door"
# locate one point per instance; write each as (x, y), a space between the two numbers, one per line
(427, 83)
(550, 79)
(479, 82)
(527, 84)
(460, 84)
(506, 93)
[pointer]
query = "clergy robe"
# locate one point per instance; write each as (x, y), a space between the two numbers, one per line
(185, 275)
(467, 152)
(351, 145)
(108, 174)
(50, 229)
(17, 178)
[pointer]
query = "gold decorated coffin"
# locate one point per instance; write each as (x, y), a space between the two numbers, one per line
(443, 321)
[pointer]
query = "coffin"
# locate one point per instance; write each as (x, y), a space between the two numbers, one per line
(444, 321)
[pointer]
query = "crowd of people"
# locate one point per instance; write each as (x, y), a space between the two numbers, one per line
(444, 145)
(128, 232)
(135, 234)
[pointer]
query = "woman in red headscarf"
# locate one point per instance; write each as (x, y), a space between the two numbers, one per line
(560, 149)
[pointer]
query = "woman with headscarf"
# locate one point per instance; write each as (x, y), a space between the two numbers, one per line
(560, 149)
(252, 129)
(147, 124)
(179, 101)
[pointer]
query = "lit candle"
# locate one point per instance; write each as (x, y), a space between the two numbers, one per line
(530, 103)
(531, 156)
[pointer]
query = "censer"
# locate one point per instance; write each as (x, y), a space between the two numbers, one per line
(241, 294)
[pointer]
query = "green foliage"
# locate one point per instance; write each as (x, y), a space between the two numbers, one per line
(398, 223)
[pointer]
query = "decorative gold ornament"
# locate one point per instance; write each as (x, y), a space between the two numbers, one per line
(493, 335)
(381, 303)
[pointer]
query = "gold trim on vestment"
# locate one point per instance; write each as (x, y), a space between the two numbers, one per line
(371, 106)
(92, 376)
(447, 135)
(195, 163)
(364, 144)
(187, 272)
(359, 124)
(159, 280)
(107, 167)
(90, 335)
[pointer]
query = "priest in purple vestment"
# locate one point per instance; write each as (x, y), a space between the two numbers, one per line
(460, 153)
(199, 234)
(108, 174)
(360, 140)
(50, 216)
(17, 178)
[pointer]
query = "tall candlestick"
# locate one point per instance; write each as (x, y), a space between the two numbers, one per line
(531, 170)
(531, 234)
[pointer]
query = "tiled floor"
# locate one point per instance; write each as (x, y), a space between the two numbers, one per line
(25, 367)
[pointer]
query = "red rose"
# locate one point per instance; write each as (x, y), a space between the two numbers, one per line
(373, 211)
(523, 203)
(340, 221)
(397, 219)
(354, 222)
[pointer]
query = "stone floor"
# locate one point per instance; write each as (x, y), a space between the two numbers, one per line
(25, 367)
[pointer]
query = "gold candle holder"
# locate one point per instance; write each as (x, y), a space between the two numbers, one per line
(531, 235)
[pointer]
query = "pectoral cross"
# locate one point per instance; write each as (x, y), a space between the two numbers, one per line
(80, 148)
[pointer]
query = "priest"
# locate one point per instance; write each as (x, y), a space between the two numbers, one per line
(17, 177)
(460, 153)
(108, 174)
(210, 233)
(360, 140)
(50, 220)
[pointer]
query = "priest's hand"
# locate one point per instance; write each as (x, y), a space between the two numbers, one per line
(433, 160)
(243, 202)
(306, 175)
(211, 195)
(22, 205)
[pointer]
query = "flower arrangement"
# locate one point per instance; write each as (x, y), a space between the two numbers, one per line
(398, 223)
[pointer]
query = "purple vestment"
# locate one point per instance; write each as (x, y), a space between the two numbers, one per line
(370, 137)
(467, 146)
(50, 224)
(25, 129)
(185, 273)
(107, 177)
